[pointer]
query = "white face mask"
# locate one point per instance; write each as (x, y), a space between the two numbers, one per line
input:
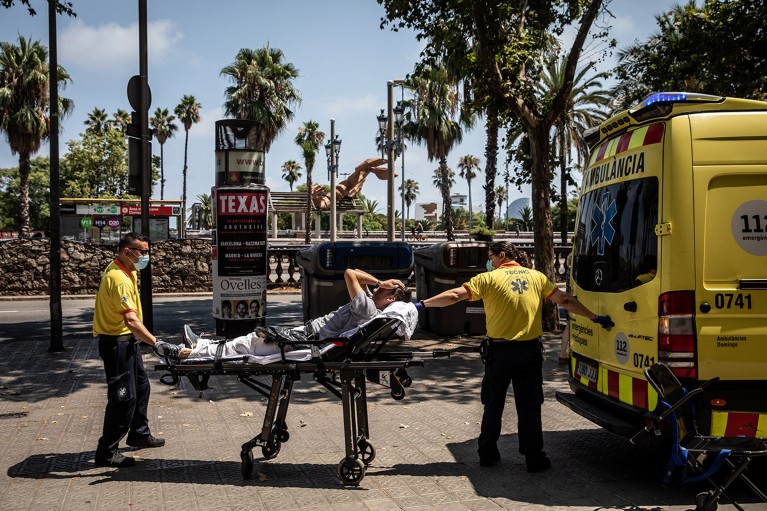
(142, 262)
(489, 265)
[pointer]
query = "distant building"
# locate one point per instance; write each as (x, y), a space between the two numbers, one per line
(459, 200)
(517, 206)
(427, 211)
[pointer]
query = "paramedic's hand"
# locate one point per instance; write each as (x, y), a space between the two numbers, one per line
(604, 321)
(419, 305)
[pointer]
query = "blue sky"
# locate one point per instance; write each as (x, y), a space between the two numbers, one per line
(343, 57)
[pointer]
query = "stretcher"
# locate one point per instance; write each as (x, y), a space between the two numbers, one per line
(342, 365)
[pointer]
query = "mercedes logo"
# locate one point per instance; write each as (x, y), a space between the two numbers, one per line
(598, 277)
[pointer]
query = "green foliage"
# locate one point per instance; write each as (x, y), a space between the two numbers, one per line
(96, 166)
(717, 48)
(61, 7)
(39, 200)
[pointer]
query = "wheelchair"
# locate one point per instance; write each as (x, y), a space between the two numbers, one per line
(695, 457)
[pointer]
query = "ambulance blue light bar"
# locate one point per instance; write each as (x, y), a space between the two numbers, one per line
(677, 97)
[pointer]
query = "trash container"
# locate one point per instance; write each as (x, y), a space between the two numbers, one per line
(323, 288)
(444, 266)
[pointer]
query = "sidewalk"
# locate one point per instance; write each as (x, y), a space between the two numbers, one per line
(51, 411)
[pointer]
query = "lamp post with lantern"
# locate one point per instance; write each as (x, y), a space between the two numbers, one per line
(392, 134)
(332, 151)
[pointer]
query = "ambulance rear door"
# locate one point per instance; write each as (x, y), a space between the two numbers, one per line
(730, 180)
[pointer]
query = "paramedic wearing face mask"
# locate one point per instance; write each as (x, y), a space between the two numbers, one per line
(117, 321)
(513, 297)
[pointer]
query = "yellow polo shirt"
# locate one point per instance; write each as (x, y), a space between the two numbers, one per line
(513, 297)
(118, 293)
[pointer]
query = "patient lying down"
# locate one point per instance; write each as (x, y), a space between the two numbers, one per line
(343, 322)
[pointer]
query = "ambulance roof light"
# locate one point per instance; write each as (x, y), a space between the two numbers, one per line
(661, 103)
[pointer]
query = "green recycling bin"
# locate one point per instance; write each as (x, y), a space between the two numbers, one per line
(444, 266)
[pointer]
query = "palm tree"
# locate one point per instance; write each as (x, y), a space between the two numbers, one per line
(188, 113)
(206, 211)
(525, 218)
(263, 92)
(410, 192)
(500, 198)
(436, 125)
(96, 122)
(586, 107)
(444, 179)
(290, 172)
(164, 128)
(120, 120)
(466, 166)
(24, 107)
(309, 139)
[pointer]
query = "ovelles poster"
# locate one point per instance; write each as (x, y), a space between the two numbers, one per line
(239, 252)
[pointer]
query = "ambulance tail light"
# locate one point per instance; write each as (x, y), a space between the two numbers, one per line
(677, 342)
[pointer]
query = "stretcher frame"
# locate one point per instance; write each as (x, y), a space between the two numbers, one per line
(357, 360)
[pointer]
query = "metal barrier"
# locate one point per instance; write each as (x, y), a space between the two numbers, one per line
(284, 272)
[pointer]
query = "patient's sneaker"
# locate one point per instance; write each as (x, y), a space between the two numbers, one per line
(167, 350)
(190, 338)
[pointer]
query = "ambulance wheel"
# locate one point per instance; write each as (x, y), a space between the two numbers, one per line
(367, 451)
(271, 449)
(700, 502)
(398, 394)
(351, 471)
(246, 467)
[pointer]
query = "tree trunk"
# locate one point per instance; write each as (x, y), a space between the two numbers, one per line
(308, 222)
(562, 186)
(491, 160)
(470, 211)
(162, 172)
(24, 168)
(447, 210)
(181, 230)
(542, 228)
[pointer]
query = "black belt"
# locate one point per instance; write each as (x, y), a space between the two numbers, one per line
(117, 338)
(505, 343)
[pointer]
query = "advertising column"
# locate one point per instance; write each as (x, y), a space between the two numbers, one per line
(239, 255)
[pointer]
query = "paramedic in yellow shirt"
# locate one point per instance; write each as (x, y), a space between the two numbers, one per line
(513, 298)
(117, 321)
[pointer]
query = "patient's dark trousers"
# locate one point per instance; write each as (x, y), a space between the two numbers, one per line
(127, 394)
(521, 364)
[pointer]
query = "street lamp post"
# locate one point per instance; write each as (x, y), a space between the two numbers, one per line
(332, 151)
(392, 131)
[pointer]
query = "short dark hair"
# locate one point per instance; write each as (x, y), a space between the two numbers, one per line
(506, 247)
(129, 238)
(403, 294)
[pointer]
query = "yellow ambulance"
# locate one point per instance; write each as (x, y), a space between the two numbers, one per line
(671, 243)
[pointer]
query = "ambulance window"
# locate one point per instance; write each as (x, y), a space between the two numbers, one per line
(616, 247)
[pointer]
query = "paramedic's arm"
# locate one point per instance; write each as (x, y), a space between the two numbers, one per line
(571, 303)
(355, 279)
(446, 298)
(137, 328)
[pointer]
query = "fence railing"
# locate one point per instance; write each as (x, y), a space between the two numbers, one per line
(284, 272)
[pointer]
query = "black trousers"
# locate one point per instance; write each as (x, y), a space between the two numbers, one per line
(127, 394)
(521, 365)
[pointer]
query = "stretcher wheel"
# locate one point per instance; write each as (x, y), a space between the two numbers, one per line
(271, 450)
(283, 435)
(351, 470)
(246, 467)
(367, 451)
(398, 393)
(406, 381)
(700, 500)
